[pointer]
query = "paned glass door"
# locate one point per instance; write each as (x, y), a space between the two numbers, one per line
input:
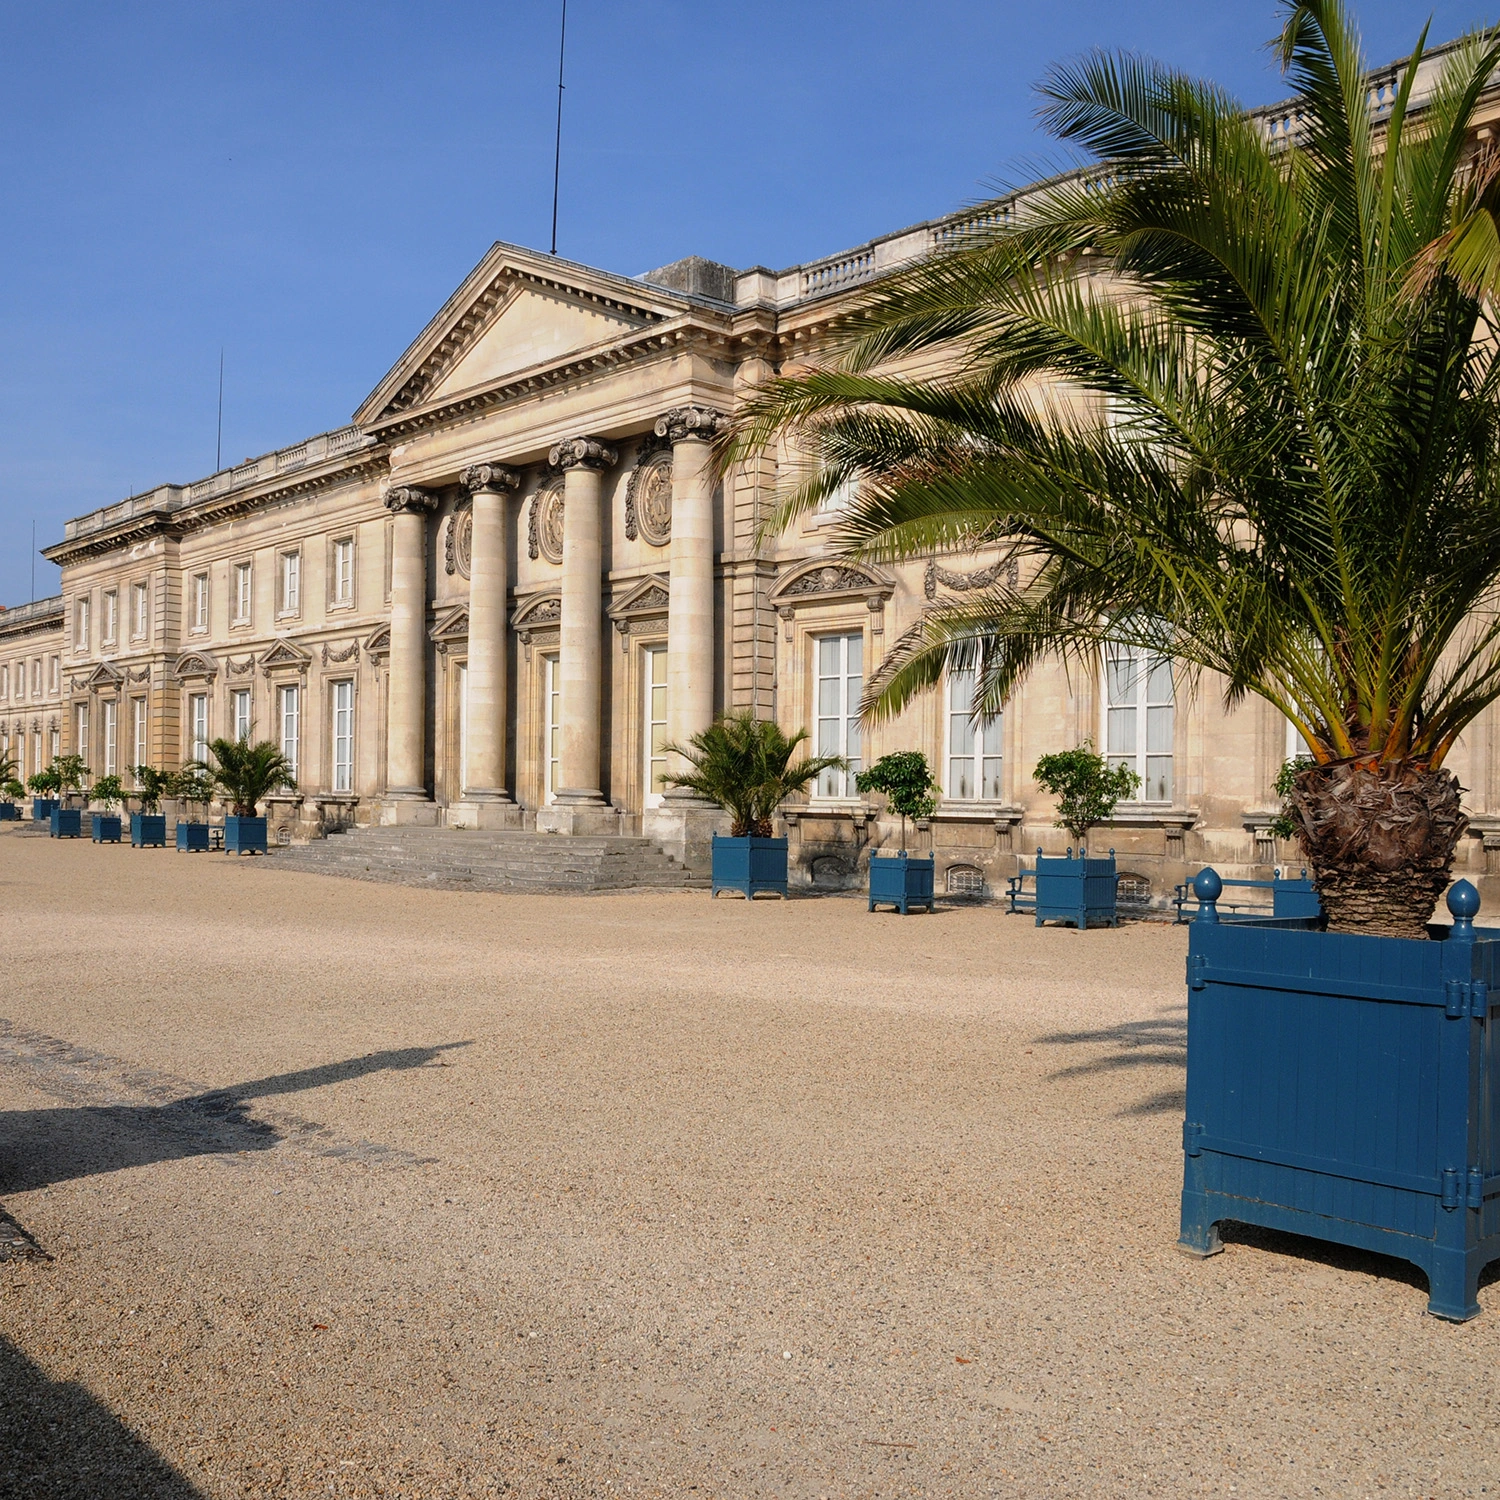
(654, 718)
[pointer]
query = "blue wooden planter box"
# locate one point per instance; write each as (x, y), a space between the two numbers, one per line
(1343, 1087)
(244, 835)
(148, 831)
(900, 881)
(192, 838)
(749, 865)
(67, 823)
(106, 828)
(42, 809)
(9, 812)
(1080, 891)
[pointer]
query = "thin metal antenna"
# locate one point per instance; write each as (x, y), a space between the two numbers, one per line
(33, 562)
(562, 43)
(219, 435)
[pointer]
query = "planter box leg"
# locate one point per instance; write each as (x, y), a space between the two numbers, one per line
(1453, 1284)
(1200, 1231)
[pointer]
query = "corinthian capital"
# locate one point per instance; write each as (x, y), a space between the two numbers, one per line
(497, 477)
(583, 453)
(701, 423)
(408, 497)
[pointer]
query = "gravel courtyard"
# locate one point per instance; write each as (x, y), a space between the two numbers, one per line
(359, 1190)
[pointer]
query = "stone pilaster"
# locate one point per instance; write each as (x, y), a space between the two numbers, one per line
(406, 789)
(684, 824)
(579, 806)
(489, 582)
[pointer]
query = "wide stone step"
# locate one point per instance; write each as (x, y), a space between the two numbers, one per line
(462, 859)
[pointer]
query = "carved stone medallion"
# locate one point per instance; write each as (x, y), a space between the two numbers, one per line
(544, 527)
(459, 547)
(648, 500)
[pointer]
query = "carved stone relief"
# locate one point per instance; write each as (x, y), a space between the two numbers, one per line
(648, 500)
(544, 526)
(458, 546)
(980, 578)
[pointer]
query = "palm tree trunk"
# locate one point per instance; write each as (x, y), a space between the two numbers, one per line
(1381, 840)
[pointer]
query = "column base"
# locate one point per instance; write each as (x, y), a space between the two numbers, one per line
(685, 829)
(406, 810)
(576, 813)
(486, 812)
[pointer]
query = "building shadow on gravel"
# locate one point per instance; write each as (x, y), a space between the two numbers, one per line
(1160, 1042)
(58, 1442)
(39, 1147)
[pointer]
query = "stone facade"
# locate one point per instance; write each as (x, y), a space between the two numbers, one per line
(491, 601)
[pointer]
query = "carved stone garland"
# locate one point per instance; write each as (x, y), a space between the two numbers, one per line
(544, 524)
(348, 653)
(980, 578)
(648, 493)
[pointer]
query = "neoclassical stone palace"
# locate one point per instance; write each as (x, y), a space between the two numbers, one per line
(494, 598)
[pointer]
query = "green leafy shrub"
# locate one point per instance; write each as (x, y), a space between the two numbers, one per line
(151, 786)
(1087, 788)
(906, 779)
(245, 773)
(108, 790)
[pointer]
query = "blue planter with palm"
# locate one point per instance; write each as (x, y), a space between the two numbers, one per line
(1345, 1087)
(244, 835)
(752, 866)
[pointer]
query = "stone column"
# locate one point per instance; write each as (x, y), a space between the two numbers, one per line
(489, 583)
(683, 823)
(406, 711)
(579, 806)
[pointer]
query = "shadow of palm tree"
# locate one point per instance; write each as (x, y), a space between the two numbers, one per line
(1158, 1042)
(60, 1443)
(39, 1147)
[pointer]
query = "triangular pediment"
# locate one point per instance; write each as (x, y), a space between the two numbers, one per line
(105, 675)
(649, 596)
(453, 626)
(285, 654)
(517, 310)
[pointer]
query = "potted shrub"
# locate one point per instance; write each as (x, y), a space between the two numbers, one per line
(1088, 789)
(1266, 459)
(245, 773)
(148, 827)
(192, 787)
(67, 822)
(45, 786)
(106, 825)
(906, 779)
(744, 764)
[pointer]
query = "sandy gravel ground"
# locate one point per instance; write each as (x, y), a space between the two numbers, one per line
(359, 1190)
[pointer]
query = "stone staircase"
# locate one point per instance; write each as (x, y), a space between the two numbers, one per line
(457, 859)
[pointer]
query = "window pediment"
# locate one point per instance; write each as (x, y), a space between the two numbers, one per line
(192, 664)
(537, 611)
(379, 643)
(284, 656)
(825, 581)
(452, 626)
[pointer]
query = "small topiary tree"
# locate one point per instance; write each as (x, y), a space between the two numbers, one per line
(192, 784)
(71, 773)
(906, 779)
(108, 790)
(151, 786)
(1087, 788)
(46, 782)
(13, 789)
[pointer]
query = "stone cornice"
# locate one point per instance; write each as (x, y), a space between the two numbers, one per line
(500, 478)
(583, 453)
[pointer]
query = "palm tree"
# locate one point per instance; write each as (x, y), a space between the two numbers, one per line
(1222, 400)
(246, 773)
(744, 764)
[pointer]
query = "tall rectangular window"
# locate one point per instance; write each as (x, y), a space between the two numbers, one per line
(343, 736)
(81, 626)
(239, 705)
(36, 747)
(200, 601)
(80, 735)
(36, 677)
(137, 733)
(343, 570)
(289, 700)
(54, 674)
(552, 751)
(654, 673)
(975, 747)
(1138, 717)
(140, 609)
(4, 682)
(242, 599)
(463, 726)
(291, 582)
(111, 616)
(198, 725)
(840, 679)
(21, 758)
(54, 738)
(110, 710)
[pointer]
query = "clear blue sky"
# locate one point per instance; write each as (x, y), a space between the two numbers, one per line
(305, 182)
